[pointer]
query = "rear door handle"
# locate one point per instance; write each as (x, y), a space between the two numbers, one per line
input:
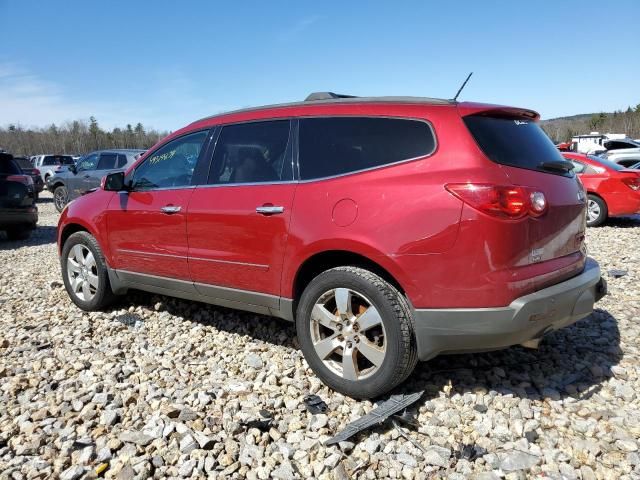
(170, 209)
(87, 176)
(269, 210)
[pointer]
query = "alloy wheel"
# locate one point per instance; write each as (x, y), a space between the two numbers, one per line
(82, 272)
(348, 334)
(593, 210)
(60, 199)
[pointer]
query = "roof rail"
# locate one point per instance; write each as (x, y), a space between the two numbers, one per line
(326, 96)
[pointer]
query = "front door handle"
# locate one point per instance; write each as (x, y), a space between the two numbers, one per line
(87, 176)
(269, 210)
(170, 209)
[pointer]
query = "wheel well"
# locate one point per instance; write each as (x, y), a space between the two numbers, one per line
(321, 262)
(57, 184)
(70, 230)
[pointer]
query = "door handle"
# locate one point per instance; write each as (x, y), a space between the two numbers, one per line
(170, 209)
(87, 176)
(269, 210)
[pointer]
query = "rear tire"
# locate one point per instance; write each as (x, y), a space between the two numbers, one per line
(356, 332)
(84, 272)
(597, 211)
(60, 197)
(21, 233)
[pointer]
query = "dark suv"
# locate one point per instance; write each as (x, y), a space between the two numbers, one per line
(389, 229)
(68, 184)
(18, 212)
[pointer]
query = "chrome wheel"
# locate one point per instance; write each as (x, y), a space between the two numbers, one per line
(593, 210)
(82, 272)
(348, 334)
(60, 198)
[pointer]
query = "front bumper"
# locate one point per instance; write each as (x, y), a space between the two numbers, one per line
(459, 330)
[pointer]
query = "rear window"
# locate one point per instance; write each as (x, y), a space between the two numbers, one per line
(606, 163)
(513, 141)
(23, 163)
(8, 166)
(335, 146)
(57, 160)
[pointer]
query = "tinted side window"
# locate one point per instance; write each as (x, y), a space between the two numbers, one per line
(252, 153)
(122, 160)
(49, 161)
(171, 165)
(334, 146)
(107, 161)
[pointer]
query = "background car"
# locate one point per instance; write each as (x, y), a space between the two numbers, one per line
(18, 212)
(635, 167)
(27, 168)
(612, 190)
(76, 180)
(47, 164)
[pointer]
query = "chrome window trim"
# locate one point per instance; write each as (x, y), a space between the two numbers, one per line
(297, 179)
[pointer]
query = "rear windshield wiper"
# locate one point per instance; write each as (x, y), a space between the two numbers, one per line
(557, 166)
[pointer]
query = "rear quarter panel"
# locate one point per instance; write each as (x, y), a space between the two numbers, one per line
(400, 215)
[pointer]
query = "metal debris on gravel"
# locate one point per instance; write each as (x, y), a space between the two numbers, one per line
(82, 394)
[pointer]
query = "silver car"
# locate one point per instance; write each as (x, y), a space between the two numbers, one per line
(87, 174)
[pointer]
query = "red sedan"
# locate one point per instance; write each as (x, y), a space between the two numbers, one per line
(612, 189)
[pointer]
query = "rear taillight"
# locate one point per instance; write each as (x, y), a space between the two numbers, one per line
(24, 179)
(632, 183)
(503, 201)
(36, 171)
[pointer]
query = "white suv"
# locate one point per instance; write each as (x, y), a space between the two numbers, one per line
(47, 164)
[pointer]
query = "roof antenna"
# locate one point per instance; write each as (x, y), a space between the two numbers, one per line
(460, 90)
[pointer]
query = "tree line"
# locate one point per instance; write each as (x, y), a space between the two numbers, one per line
(75, 138)
(562, 129)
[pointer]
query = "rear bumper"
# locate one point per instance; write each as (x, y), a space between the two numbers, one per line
(526, 318)
(10, 217)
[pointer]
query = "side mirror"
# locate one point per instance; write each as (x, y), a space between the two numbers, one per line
(73, 169)
(114, 182)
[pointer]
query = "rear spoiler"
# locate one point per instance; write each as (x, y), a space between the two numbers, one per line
(466, 109)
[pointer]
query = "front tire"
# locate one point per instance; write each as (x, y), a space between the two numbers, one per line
(84, 272)
(60, 197)
(597, 211)
(356, 332)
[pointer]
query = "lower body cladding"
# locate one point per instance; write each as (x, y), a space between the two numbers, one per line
(524, 321)
(265, 304)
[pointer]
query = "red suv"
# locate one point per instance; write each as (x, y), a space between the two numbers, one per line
(389, 229)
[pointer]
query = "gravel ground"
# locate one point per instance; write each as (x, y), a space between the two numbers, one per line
(159, 388)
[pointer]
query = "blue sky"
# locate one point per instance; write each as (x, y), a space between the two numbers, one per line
(168, 63)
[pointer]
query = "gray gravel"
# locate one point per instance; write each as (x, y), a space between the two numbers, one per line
(158, 387)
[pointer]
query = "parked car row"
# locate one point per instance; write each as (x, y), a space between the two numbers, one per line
(390, 230)
(70, 183)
